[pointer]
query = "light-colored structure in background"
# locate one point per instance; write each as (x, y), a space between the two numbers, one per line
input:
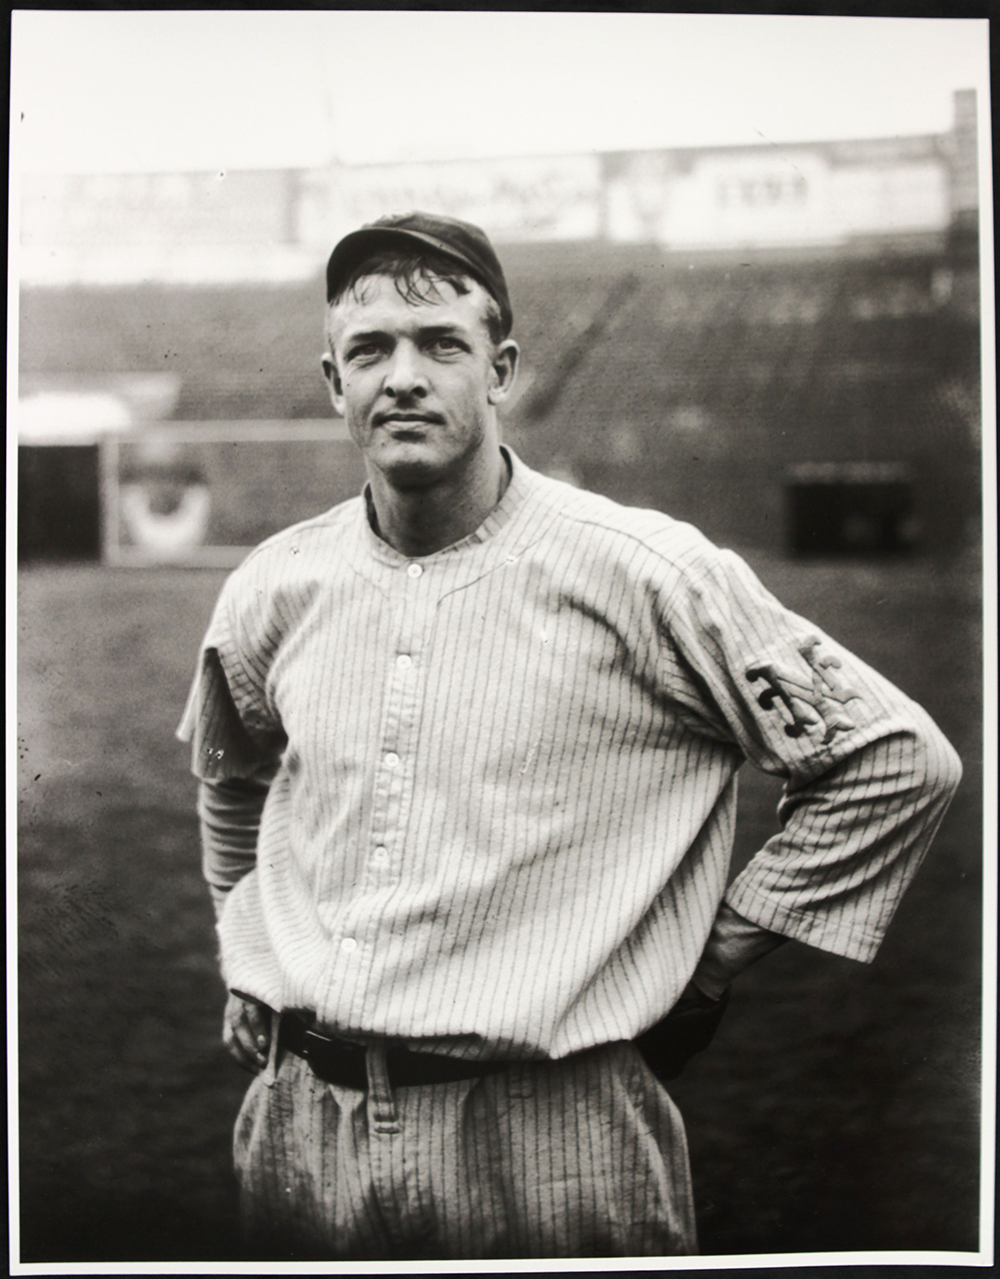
(766, 196)
(161, 500)
(531, 198)
(78, 408)
(278, 224)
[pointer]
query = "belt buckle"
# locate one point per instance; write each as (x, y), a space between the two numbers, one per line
(310, 1038)
(313, 1042)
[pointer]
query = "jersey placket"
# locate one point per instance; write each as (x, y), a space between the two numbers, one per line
(396, 764)
(404, 681)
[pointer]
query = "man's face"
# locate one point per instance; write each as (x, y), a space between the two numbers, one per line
(417, 381)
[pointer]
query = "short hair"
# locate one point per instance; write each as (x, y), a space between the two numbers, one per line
(416, 275)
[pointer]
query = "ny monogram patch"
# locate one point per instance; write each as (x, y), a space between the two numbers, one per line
(814, 707)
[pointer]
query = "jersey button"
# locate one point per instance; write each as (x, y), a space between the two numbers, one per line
(392, 760)
(414, 570)
(348, 945)
(380, 853)
(404, 661)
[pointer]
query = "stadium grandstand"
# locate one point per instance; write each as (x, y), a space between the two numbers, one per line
(780, 343)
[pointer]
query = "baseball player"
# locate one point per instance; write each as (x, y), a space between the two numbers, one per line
(467, 748)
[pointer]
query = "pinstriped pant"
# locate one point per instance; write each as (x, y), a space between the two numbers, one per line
(581, 1158)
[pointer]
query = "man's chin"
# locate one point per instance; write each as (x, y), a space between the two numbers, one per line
(410, 464)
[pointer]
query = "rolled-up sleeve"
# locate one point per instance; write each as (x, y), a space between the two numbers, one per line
(868, 775)
(232, 731)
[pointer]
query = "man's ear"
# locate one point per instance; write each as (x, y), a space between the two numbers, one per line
(332, 375)
(504, 371)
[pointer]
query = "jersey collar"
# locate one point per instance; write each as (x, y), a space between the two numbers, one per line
(506, 509)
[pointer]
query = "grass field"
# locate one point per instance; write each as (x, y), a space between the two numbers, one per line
(838, 1108)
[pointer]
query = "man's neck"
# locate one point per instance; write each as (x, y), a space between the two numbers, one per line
(421, 521)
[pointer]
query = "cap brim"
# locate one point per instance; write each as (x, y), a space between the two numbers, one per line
(353, 248)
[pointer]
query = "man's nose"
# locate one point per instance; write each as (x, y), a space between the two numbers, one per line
(405, 374)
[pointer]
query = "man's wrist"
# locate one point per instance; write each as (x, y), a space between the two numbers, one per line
(733, 945)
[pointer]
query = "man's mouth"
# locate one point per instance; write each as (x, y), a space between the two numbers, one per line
(405, 420)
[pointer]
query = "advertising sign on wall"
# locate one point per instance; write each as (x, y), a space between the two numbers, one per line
(774, 196)
(533, 198)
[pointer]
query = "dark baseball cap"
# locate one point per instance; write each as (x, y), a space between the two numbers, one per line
(464, 243)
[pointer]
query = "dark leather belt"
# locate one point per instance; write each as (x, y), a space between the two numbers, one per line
(336, 1061)
(666, 1048)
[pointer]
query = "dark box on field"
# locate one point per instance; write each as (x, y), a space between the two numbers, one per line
(844, 508)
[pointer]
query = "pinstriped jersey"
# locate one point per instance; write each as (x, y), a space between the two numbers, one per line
(503, 808)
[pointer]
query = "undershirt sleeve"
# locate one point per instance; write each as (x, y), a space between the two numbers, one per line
(230, 812)
(733, 945)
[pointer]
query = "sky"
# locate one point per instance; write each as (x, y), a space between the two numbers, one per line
(180, 90)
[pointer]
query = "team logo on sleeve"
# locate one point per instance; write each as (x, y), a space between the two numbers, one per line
(815, 702)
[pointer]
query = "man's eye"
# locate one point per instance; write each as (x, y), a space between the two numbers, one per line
(446, 344)
(364, 351)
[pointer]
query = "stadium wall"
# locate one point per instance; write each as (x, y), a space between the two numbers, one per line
(274, 225)
(709, 377)
(699, 386)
